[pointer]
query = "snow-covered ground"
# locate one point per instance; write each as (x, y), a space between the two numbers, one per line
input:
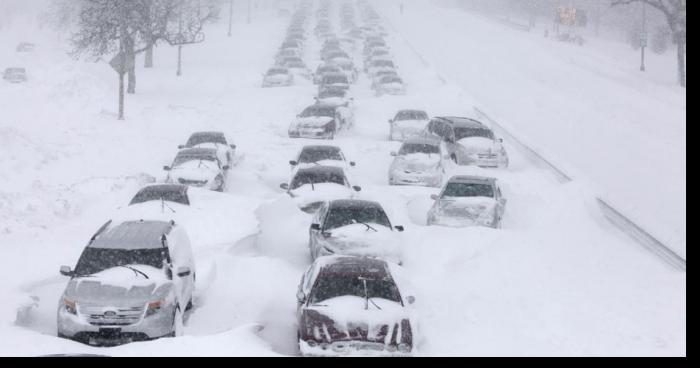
(558, 279)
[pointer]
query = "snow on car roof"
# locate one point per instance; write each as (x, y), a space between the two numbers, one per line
(133, 235)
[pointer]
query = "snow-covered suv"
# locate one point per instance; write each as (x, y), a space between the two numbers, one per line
(133, 282)
(470, 142)
(198, 167)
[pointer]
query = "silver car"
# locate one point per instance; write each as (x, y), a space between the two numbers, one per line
(470, 142)
(133, 282)
(468, 201)
(422, 160)
(407, 123)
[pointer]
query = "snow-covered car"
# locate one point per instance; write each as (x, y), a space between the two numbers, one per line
(25, 47)
(310, 187)
(293, 44)
(325, 69)
(389, 85)
(198, 167)
(285, 53)
(334, 96)
(278, 77)
(355, 228)
(422, 160)
(321, 155)
(348, 67)
(133, 282)
(15, 75)
(353, 306)
(320, 122)
(213, 140)
(339, 80)
(407, 123)
(298, 69)
(468, 201)
(470, 142)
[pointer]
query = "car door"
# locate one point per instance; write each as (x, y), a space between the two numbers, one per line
(501, 201)
(178, 260)
(315, 234)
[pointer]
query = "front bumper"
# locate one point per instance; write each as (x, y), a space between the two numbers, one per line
(401, 134)
(311, 133)
(76, 327)
(459, 221)
(352, 348)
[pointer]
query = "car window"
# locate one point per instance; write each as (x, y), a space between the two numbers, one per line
(464, 132)
(198, 139)
(456, 190)
(94, 260)
(344, 216)
(330, 286)
(411, 148)
(311, 155)
(318, 177)
(158, 194)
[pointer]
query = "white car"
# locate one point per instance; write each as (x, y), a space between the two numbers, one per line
(310, 187)
(198, 167)
(332, 96)
(213, 140)
(470, 142)
(278, 77)
(407, 123)
(321, 122)
(422, 160)
(390, 85)
(310, 156)
(468, 201)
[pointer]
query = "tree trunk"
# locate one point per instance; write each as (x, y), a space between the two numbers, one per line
(680, 43)
(121, 96)
(149, 57)
(132, 79)
(179, 60)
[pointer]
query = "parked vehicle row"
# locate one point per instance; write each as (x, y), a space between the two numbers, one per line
(289, 65)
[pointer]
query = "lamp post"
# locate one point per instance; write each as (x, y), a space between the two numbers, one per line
(249, 11)
(643, 36)
(230, 18)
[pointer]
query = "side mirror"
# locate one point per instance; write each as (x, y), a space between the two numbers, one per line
(284, 186)
(293, 163)
(226, 167)
(357, 188)
(394, 154)
(316, 227)
(167, 168)
(184, 272)
(234, 146)
(181, 146)
(66, 271)
(353, 163)
(411, 299)
(434, 197)
(399, 228)
(301, 297)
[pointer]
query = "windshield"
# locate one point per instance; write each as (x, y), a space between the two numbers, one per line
(461, 133)
(198, 139)
(94, 260)
(412, 148)
(468, 190)
(383, 63)
(344, 216)
(391, 79)
(276, 72)
(305, 178)
(315, 111)
(332, 79)
(332, 93)
(319, 154)
(184, 158)
(157, 194)
(411, 115)
(336, 285)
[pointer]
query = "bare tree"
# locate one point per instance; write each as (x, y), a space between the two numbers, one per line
(675, 13)
(186, 28)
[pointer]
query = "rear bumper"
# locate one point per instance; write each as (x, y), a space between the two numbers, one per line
(352, 348)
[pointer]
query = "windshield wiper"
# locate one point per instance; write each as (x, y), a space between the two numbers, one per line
(368, 226)
(367, 298)
(164, 206)
(137, 272)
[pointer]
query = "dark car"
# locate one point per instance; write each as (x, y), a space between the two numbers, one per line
(353, 306)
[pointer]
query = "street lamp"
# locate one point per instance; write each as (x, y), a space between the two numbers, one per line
(643, 36)
(249, 10)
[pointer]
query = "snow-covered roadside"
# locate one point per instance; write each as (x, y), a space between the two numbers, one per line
(555, 281)
(587, 107)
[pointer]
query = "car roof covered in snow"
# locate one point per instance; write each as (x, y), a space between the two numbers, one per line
(361, 266)
(133, 235)
(468, 179)
(462, 122)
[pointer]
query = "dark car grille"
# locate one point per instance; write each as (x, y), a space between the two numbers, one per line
(99, 316)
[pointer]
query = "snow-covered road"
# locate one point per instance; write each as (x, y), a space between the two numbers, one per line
(556, 280)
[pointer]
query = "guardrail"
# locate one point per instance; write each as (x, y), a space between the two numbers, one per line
(620, 221)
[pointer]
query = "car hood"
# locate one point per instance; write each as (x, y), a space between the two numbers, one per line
(333, 101)
(119, 286)
(417, 162)
(312, 122)
(358, 240)
(480, 144)
(193, 171)
(306, 194)
(472, 208)
(394, 85)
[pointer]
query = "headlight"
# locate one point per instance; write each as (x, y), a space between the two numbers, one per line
(70, 306)
(153, 308)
